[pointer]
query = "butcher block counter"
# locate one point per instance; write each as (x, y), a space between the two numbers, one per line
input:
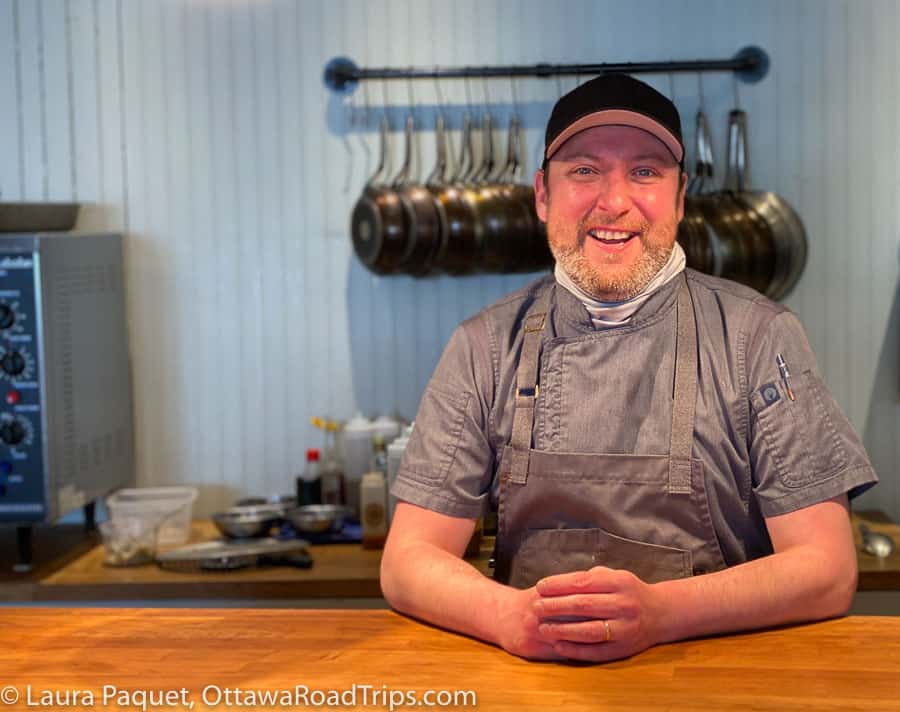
(340, 571)
(221, 659)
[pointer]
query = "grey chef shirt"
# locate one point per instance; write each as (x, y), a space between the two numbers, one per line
(763, 454)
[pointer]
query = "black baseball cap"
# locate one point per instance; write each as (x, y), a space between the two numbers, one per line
(614, 99)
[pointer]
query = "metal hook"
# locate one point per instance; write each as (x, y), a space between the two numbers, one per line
(700, 88)
(737, 100)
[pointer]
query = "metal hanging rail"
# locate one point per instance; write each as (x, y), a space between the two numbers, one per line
(749, 65)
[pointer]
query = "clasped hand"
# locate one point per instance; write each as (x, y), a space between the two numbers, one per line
(562, 617)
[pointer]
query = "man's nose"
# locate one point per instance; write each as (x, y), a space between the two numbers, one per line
(613, 196)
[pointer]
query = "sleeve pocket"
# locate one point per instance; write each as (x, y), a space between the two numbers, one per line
(799, 434)
(436, 436)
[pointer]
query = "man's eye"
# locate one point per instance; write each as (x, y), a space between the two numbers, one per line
(583, 170)
(644, 172)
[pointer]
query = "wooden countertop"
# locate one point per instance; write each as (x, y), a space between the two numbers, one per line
(339, 571)
(845, 664)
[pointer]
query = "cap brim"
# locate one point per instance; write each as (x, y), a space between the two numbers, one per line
(619, 117)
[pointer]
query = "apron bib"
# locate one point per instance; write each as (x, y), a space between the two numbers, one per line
(563, 512)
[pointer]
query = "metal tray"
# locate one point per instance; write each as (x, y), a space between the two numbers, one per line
(225, 555)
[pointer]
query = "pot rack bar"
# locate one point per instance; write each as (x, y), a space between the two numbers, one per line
(749, 65)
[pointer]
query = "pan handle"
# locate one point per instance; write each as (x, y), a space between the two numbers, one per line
(482, 175)
(438, 173)
(299, 559)
(695, 184)
(402, 177)
(376, 177)
(736, 171)
(464, 163)
(508, 171)
(704, 167)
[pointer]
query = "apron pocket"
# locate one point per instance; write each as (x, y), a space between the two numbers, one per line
(546, 552)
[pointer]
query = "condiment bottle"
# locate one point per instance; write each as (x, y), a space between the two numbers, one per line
(357, 439)
(309, 484)
(378, 463)
(373, 506)
(333, 472)
(373, 497)
(389, 428)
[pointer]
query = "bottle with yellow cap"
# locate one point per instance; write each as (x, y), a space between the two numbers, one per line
(332, 467)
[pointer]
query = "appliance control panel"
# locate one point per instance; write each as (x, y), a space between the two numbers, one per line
(21, 451)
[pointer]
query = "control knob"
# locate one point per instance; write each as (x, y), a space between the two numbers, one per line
(13, 363)
(7, 316)
(12, 432)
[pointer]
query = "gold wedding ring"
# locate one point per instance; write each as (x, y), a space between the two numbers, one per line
(608, 634)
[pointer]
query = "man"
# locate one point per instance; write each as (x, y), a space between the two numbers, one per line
(665, 459)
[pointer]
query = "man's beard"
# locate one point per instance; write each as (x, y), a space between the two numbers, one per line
(613, 284)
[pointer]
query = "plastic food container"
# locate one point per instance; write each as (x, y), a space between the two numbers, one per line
(171, 508)
(129, 542)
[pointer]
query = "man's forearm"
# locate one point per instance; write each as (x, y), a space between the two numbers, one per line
(799, 584)
(429, 583)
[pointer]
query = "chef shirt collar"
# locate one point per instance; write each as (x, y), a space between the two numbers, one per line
(604, 315)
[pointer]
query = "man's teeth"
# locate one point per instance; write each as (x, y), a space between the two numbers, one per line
(610, 235)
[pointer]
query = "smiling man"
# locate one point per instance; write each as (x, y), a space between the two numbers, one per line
(662, 452)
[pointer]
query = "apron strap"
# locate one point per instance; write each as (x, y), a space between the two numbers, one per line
(527, 389)
(517, 457)
(685, 397)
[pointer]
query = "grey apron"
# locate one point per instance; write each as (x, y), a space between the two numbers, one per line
(563, 512)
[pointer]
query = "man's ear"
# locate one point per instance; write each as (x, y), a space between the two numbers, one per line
(540, 195)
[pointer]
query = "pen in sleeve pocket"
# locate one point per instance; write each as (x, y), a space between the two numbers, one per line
(785, 375)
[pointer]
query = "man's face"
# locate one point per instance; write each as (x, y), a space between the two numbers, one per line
(612, 204)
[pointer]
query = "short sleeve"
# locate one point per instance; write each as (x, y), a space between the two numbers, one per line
(803, 450)
(449, 460)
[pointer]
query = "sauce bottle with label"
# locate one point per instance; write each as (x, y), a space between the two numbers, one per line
(309, 483)
(373, 510)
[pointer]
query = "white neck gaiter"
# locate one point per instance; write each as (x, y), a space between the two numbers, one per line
(606, 314)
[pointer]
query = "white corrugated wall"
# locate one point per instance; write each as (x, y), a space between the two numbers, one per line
(203, 130)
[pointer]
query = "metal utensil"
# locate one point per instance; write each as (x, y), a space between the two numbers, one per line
(318, 518)
(876, 543)
(279, 502)
(229, 555)
(246, 522)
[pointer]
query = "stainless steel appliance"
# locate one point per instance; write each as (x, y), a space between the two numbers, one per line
(66, 411)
